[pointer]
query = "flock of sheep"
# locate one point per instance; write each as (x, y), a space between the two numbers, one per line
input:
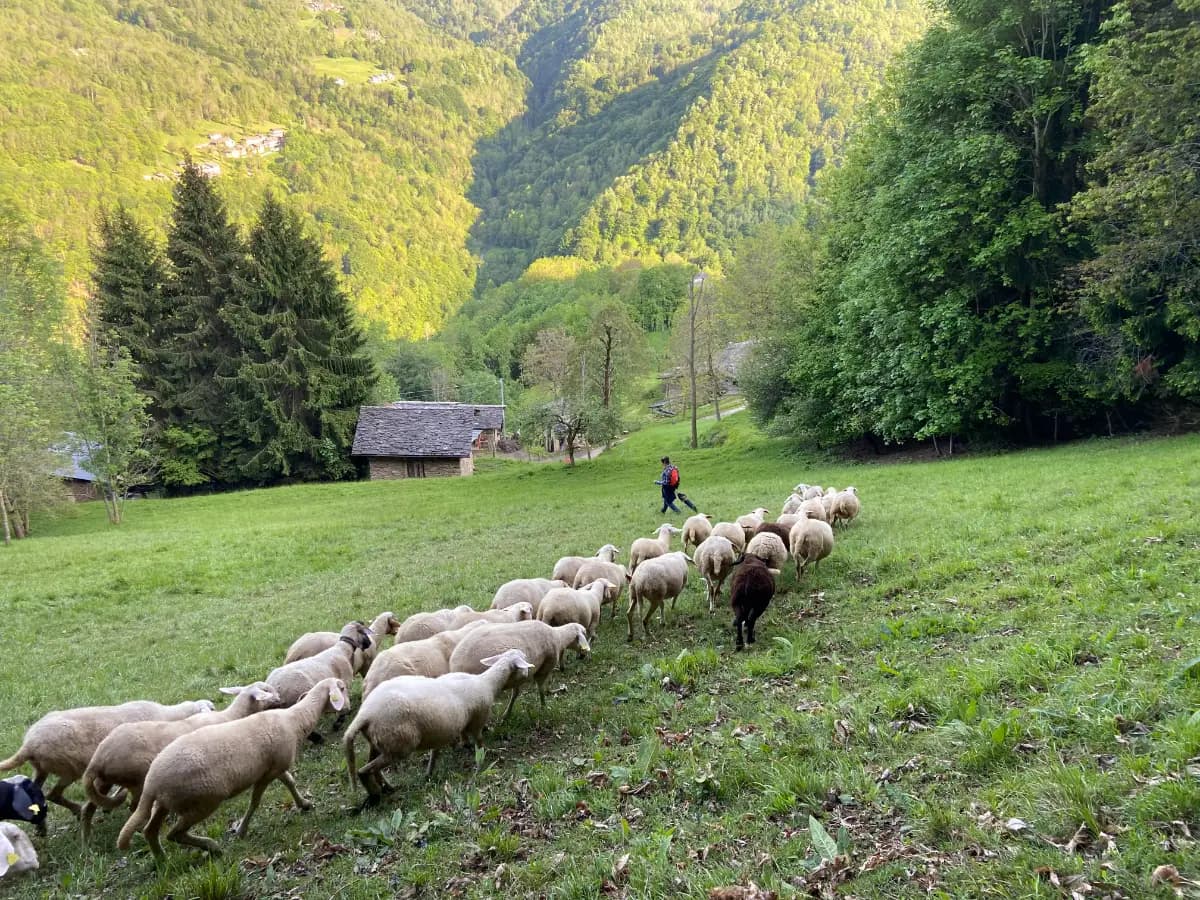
(433, 689)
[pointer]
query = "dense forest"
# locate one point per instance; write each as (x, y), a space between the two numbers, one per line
(1009, 250)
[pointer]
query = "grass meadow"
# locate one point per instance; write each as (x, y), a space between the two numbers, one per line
(989, 690)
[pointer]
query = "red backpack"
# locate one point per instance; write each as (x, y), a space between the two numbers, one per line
(673, 477)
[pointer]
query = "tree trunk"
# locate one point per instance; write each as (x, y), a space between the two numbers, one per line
(606, 391)
(4, 516)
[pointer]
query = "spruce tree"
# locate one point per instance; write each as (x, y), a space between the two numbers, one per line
(131, 311)
(304, 374)
(204, 292)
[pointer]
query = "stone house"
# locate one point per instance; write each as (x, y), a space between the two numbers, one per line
(412, 439)
(80, 483)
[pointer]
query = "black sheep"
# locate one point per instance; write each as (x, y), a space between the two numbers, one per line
(753, 587)
(21, 799)
(776, 529)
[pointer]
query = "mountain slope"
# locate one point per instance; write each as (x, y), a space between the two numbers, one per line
(672, 129)
(100, 99)
(426, 137)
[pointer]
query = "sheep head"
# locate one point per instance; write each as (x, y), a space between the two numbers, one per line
(260, 695)
(525, 610)
(579, 641)
(339, 699)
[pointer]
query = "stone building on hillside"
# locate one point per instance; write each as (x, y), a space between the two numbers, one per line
(424, 440)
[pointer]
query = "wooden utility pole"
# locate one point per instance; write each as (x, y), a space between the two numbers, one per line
(695, 293)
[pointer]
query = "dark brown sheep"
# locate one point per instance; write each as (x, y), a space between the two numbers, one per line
(751, 592)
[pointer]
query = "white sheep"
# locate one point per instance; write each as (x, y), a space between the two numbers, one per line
(567, 567)
(791, 504)
(424, 625)
(787, 520)
(814, 508)
(295, 679)
(656, 581)
(609, 571)
(582, 605)
(408, 715)
(813, 492)
(123, 758)
(524, 590)
(811, 541)
(696, 529)
(751, 520)
(846, 506)
(648, 548)
(768, 547)
(16, 851)
(316, 641)
(197, 772)
(428, 658)
(543, 645)
(62, 743)
(733, 533)
(715, 559)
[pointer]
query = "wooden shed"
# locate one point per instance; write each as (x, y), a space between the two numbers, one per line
(412, 439)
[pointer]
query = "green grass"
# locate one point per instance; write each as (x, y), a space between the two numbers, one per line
(996, 638)
(354, 71)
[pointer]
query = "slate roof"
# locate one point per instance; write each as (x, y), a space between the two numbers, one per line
(411, 428)
(74, 471)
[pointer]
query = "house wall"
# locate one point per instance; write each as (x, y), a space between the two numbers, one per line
(392, 467)
(81, 491)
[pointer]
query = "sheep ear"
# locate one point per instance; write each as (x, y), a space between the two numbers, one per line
(337, 699)
(490, 661)
(232, 690)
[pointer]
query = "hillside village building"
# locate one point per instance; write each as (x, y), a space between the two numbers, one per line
(411, 439)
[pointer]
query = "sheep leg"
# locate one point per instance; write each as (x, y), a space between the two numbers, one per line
(384, 787)
(56, 795)
(737, 626)
(369, 777)
(750, 620)
(512, 699)
(151, 829)
(180, 834)
(243, 825)
(433, 754)
(85, 821)
(646, 619)
(629, 613)
(289, 782)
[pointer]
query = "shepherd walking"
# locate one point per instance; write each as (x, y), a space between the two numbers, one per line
(669, 480)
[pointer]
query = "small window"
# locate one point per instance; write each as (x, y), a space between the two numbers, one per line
(416, 468)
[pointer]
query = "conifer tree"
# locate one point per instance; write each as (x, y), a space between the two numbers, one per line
(304, 372)
(130, 308)
(204, 291)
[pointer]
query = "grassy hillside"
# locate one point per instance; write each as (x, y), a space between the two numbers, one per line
(101, 98)
(986, 684)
